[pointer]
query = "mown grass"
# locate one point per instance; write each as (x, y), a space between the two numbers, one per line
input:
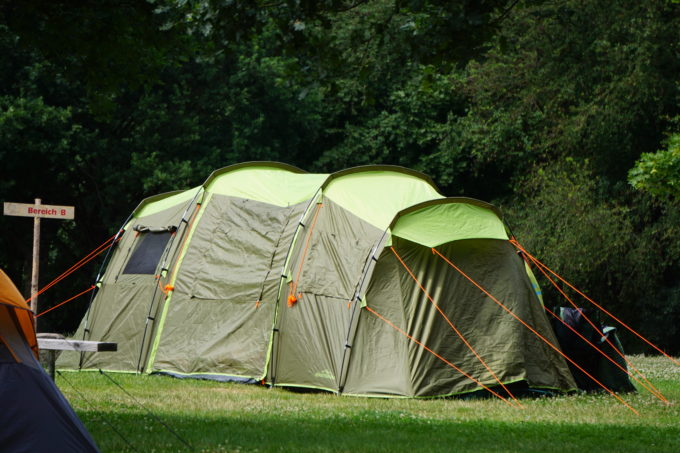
(217, 417)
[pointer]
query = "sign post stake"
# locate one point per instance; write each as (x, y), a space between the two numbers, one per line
(35, 269)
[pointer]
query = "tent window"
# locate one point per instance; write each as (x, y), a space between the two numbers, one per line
(148, 253)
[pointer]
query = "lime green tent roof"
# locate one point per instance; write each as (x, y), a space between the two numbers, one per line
(382, 195)
(377, 193)
(158, 203)
(438, 222)
(373, 192)
(268, 182)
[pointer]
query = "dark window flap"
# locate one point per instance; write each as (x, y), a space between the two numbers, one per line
(146, 256)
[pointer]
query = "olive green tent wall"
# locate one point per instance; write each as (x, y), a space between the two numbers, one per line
(230, 274)
(347, 223)
(385, 361)
(270, 270)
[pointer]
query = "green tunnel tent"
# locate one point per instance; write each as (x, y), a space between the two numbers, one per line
(268, 273)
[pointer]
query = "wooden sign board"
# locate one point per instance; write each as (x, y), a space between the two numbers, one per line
(40, 210)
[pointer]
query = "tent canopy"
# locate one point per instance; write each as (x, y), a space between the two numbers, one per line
(11, 298)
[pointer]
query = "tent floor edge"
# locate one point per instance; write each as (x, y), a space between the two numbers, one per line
(208, 377)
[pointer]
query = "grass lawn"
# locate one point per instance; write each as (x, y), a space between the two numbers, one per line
(217, 417)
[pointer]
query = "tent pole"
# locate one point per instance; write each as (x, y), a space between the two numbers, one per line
(273, 347)
(357, 298)
(166, 254)
(120, 232)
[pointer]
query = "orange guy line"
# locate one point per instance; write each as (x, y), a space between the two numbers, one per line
(517, 244)
(89, 257)
(438, 356)
(304, 253)
(653, 390)
(460, 335)
(66, 301)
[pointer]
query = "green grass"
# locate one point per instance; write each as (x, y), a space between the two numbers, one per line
(216, 417)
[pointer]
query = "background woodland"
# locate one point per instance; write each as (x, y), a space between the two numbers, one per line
(565, 114)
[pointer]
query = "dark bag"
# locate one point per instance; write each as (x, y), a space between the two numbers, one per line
(587, 357)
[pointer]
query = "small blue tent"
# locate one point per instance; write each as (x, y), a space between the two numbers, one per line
(34, 416)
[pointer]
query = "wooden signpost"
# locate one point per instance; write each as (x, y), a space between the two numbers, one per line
(51, 345)
(37, 211)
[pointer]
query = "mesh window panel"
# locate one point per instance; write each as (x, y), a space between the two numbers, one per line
(147, 254)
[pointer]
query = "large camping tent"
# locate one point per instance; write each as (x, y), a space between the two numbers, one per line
(35, 417)
(266, 273)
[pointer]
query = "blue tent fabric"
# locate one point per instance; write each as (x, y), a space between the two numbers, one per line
(35, 417)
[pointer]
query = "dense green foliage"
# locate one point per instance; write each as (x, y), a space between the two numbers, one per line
(218, 417)
(543, 107)
(659, 173)
(624, 252)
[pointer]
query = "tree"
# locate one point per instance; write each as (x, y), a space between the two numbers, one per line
(659, 173)
(103, 45)
(593, 80)
(542, 106)
(624, 255)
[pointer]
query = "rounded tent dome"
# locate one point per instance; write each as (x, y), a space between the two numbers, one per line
(12, 299)
(35, 416)
(375, 193)
(161, 202)
(268, 182)
(436, 222)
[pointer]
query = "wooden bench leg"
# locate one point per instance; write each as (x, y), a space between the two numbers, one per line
(51, 358)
